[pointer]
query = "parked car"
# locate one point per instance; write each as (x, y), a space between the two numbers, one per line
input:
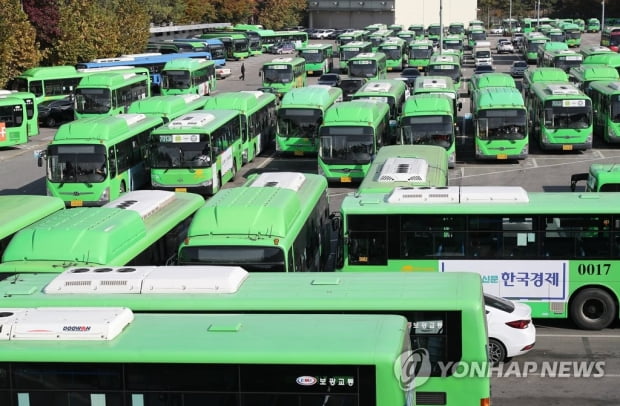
(497, 30)
(221, 72)
(510, 327)
(517, 70)
(350, 86)
(484, 69)
(286, 48)
(275, 48)
(330, 79)
(505, 46)
(54, 112)
(410, 74)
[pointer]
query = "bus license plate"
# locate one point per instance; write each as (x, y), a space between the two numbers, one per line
(77, 203)
(345, 179)
(180, 189)
(502, 156)
(299, 153)
(567, 147)
(310, 72)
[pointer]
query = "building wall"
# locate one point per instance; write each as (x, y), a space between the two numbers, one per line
(427, 11)
(349, 13)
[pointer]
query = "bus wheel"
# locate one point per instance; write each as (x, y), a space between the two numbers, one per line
(234, 170)
(123, 188)
(497, 352)
(592, 309)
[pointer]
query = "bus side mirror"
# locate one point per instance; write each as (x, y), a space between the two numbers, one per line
(39, 155)
(577, 178)
(336, 221)
(460, 105)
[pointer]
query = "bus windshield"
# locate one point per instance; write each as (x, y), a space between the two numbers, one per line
(311, 55)
(295, 122)
(217, 51)
(180, 154)
(278, 74)
(347, 54)
(11, 116)
(92, 101)
(615, 110)
(453, 71)
(76, 163)
(503, 124)
(392, 52)
(176, 79)
(345, 144)
(558, 117)
(363, 69)
(251, 258)
(427, 130)
(420, 53)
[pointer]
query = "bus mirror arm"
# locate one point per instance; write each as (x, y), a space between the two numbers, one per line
(336, 221)
(40, 155)
(574, 179)
(460, 105)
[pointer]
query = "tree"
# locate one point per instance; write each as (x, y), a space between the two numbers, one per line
(132, 26)
(19, 49)
(166, 11)
(198, 11)
(234, 11)
(277, 14)
(44, 16)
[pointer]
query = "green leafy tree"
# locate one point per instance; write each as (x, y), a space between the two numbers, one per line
(198, 11)
(277, 14)
(166, 11)
(19, 49)
(234, 11)
(132, 26)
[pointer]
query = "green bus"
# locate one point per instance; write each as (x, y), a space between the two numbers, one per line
(142, 227)
(370, 65)
(351, 36)
(489, 79)
(594, 25)
(611, 59)
(475, 34)
(188, 75)
(554, 251)
(168, 107)
(349, 50)
(446, 65)
(377, 38)
(452, 301)
(275, 222)
(429, 119)
(96, 159)
(560, 117)
(395, 28)
(572, 35)
(564, 59)
(439, 85)
(19, 211)
(390, 91)
(433, 32)
(111, 92)
(454, 42)
(599, 178)
(319, 58)
(542, 74)
(531, 42)
(582, 76)
(258, 116)
(594, 50)
(610, 37)
(407, 35)
(196, 152)
(556, 35)
(237, 44)
(300, 115)
(406, 166)
(187, 358)
(32, 111)
(396, 51)
(13, 121)
(420, 31)
(283, 74)
(420, 52)
(48, 82)
(375, 27)
(605, 95)
(351, 135)
(500, 123)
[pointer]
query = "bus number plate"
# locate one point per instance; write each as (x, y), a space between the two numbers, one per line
(502, 156)
(345, 179)
(310, 72)
(77, 203)
(180, 189)
(567, 147)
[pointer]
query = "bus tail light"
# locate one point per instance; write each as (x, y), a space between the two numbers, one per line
(485, 402)
(520, 324)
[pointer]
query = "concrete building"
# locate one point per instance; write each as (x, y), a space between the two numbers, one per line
(360, 13)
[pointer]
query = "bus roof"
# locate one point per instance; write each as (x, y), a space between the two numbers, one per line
(491, 79)
(321, 96)
(293, 60)
(355, 44)
(267, 206)
(608, 87)
(50, 72)
(19, 211)
(498, 98)
(230, 289)
(608, 58)
(169, 106)
(113, 78)
(433, 83)
(406, 166)
(248, 339)
(382, 86)
(425, 104)
(546, 74)
(187, 63)
(593, 72)
(202, 120)
(356, 111)
(104, 128)
(557, 91)
(246, 101)
(109, 235)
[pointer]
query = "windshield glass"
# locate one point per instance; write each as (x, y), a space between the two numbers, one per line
(299, 122)
(393, 53)
(345, 144)
(362, 69)
(563, 114)
(502, 124)
(11, 116)
(277, 74)
(312, 55)
(187, 151)
(76, 163)
(251, 258)
(92, 101)
(427, 130)
(453, 71)
(420, 53)
(175, 79)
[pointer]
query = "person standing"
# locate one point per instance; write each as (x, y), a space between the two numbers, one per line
(242, 77)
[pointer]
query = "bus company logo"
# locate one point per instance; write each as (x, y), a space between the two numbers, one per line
(413, 368)
(306, 380)
(76, 328)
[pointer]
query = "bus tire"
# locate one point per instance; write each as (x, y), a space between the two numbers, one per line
(233, 170)
(593, 309)
(497, 351)
(123, 188)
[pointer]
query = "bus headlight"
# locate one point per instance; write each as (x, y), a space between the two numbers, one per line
(105, 195)
(611, 133)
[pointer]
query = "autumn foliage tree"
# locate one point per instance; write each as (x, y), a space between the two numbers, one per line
(277, 14)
